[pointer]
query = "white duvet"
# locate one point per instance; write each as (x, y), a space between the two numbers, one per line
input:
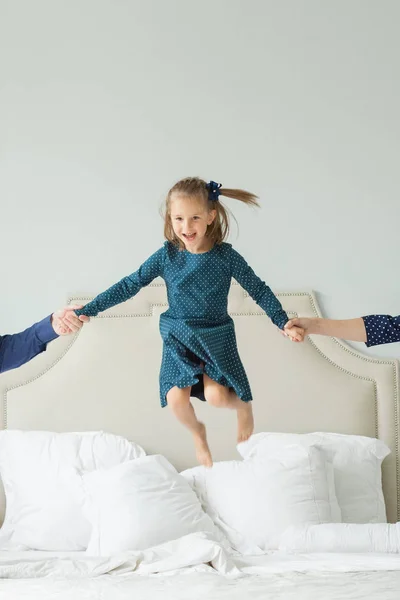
(309, 548)
(191, 550)
(308, 577)
(195, 567)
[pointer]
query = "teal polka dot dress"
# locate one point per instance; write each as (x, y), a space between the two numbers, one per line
(197, 331)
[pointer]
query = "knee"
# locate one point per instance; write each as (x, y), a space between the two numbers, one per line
(177, 397)
(217, 397)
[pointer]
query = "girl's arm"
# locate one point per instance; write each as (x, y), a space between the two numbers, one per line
(258, 290)
(128, 286)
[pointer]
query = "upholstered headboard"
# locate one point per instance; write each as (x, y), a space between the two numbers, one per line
(106, 378)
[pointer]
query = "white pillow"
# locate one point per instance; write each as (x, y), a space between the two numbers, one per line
(140, 504)
(357, 463)
(41, 473)
(254, 501)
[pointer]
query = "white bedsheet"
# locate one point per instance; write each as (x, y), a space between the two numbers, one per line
(182, 570)
(383, 585)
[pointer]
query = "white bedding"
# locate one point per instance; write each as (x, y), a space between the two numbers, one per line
(342, 537)
(190, 550)
(197, 565)
(181, 570)
(383, 585)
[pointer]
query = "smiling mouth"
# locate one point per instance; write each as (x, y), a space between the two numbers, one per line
(189, 236)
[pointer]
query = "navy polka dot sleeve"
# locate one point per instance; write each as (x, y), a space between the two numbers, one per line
(128, 286)
(382, 329)
(257, 289)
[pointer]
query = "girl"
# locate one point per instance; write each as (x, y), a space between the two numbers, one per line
(200, 357)
(374, 330)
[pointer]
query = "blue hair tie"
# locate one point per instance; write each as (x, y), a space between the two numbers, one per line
(213, 190)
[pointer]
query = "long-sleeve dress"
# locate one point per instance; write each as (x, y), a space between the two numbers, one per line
(197, 331)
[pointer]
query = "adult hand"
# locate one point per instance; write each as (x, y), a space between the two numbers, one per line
(65, 321)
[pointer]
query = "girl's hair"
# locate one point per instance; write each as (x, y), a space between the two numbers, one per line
(194, 186)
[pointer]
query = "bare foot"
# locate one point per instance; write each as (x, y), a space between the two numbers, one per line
(203, 453)
(245, 421)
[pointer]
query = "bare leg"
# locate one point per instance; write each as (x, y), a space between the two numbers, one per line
(222, 397)
(179, 402)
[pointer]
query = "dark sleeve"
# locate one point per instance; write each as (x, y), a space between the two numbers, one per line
(257, 289)
(17, 349)
(128, 286)
(382, 329)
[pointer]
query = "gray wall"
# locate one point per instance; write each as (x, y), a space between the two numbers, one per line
(105, 104)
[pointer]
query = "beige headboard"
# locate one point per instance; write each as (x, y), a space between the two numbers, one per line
(106, 378)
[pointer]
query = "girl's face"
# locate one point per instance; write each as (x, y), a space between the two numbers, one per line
(190, 218)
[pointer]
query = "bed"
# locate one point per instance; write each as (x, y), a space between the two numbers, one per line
(105, 378)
